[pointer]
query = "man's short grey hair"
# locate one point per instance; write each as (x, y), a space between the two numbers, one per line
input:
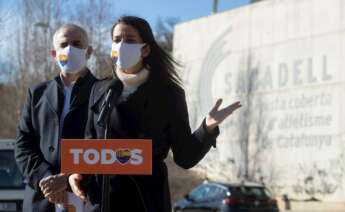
(69, 26)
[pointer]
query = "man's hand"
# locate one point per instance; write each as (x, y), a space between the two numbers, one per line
(58, 197)
(74, 181)
(54, 184)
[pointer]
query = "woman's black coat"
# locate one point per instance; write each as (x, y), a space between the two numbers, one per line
(154, 111)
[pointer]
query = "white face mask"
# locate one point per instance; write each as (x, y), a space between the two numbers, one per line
(126, 55)
(71, 59)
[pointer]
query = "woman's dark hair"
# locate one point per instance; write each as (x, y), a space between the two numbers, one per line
(161, 64)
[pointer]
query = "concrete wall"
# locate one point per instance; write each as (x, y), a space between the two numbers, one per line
(284, 59)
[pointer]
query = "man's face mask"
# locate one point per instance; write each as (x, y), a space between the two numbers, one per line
(126, 55)
(71, 59)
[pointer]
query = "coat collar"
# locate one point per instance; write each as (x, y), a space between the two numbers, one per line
(139, 96)
(136, 101)
(100, 91)
(81, 90)
(55, 94)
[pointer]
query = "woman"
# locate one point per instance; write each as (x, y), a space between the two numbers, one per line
(151, 105)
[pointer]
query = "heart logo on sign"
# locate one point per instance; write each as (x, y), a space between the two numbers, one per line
(123, 155)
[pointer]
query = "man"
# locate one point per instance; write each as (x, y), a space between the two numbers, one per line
(54, 110)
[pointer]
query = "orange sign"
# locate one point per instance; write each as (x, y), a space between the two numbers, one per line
(112, 156)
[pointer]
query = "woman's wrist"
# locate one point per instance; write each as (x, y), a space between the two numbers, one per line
(210, 124)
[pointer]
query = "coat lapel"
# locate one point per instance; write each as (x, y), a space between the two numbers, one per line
(54, 97)
(100, 92)
(136, 102)
(80, 96)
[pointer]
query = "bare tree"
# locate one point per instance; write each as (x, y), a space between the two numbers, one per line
(96, 17)
(6, 12)
(254, 1)
(165, 33)
(254, 127)
(31, 45)
(29, 53)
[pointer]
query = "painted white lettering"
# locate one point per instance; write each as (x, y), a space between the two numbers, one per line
(76, 153)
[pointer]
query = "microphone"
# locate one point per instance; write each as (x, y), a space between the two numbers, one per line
(114, 92)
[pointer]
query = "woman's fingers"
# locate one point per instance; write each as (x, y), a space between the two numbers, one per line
(217, 105)
(216, 116)
(74, 181)
(231, 108)
(225, 112)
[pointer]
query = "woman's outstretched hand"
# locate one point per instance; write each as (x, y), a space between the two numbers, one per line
(74, 181)
(216, 116)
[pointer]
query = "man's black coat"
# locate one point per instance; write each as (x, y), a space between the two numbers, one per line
(37, 149)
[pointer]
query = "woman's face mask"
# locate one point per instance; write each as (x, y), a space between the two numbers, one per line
(71, 59)
(126, 55)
